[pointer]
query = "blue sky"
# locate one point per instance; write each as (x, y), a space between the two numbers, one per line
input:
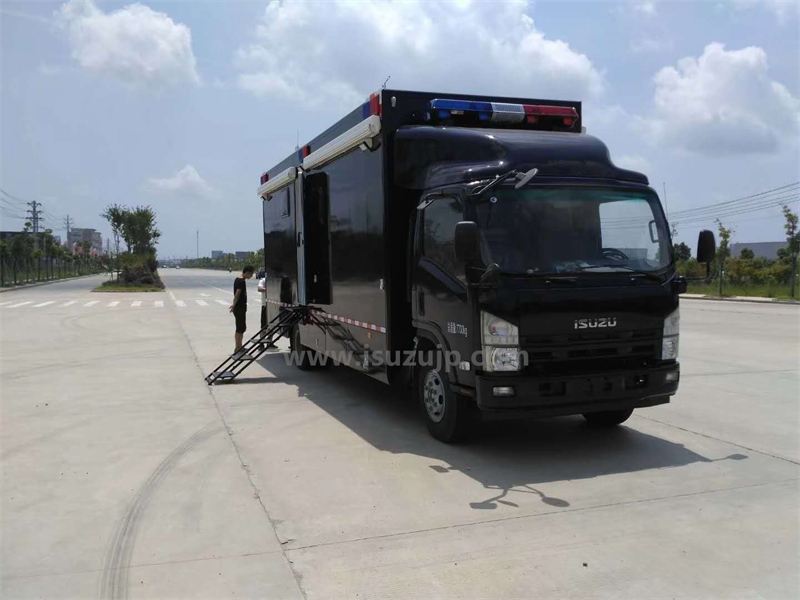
(181, 105)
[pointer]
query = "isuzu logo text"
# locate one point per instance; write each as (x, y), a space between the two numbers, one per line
(601, 323)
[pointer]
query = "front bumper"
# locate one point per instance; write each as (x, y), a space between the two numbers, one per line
(575, 394)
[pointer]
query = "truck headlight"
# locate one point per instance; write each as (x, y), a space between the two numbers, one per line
(503, 359)
(669, 347)
(498, 332)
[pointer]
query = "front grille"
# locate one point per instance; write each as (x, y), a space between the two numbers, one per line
(591, 351)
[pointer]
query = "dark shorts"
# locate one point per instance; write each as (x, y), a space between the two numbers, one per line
(241, 321)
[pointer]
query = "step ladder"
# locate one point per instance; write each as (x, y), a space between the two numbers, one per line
(257, 345)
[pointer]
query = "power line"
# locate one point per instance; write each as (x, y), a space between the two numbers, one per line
(782, 189)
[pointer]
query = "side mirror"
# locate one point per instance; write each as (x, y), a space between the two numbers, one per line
(706, 247)
(467, 243)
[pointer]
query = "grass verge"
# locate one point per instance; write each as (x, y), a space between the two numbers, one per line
(115, 286)
(756, 290)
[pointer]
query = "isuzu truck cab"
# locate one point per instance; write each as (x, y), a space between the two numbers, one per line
(493, 242)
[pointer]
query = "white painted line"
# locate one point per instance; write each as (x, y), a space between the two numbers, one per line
(180, 303)
(202, 302)
(21, 304)
(159, 303)
(222, 302)
(204, 295)
(172, 296)
(114, 303)
(4, 303)
(43, 304)
(92, 303)
(70, 303)
(136, 303)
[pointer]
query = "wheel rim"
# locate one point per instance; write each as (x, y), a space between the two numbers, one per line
(433, 395)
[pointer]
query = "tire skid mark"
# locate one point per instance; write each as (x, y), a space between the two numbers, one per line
(114, 577)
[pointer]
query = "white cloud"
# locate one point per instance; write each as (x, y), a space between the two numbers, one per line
(647, 8)
(134, 44)
(187, 181)
(780, 8)
(722, 103)
(341, 51)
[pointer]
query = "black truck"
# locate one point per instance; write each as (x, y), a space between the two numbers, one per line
(484, 250)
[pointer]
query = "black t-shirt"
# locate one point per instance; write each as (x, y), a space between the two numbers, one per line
(240, 284)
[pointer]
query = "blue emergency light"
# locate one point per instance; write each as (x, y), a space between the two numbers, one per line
(501, 113)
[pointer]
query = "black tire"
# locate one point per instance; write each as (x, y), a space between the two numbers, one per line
(458, 420)
(608, 418)
(300, 354)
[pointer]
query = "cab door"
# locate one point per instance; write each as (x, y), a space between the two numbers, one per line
(439, 290)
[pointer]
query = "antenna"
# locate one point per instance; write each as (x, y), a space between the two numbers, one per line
(297, 144)
(383, 87)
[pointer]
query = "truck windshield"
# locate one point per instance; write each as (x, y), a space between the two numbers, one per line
(541, 230)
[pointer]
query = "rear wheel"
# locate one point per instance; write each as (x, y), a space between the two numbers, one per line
(450, 417)
(300, 354)
(608, 418)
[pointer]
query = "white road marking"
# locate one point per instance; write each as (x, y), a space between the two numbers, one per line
(114, 303)
(159, 303)
(21, 304)
(136, 303)
(202, 302)
(70, 303)
(92, 303)
(4, 303)
(180, 303)
(222, 302)
(172, 296)
(44, 304)
(204, 295)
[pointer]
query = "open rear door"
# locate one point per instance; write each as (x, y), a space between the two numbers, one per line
(314, 276)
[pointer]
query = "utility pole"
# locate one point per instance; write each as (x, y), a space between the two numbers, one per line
(35, 214)
(666, 207)
(68, 227)
(198, 243)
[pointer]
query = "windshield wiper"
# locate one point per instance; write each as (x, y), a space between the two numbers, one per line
(494, 183)
(628, 269)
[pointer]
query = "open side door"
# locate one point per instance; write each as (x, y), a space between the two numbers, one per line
(313, 258)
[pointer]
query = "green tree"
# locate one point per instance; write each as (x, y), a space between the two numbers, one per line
(792, 245)
(682, 252)
(746, 253)
(723, 250)
(140, 231)
(116, 215)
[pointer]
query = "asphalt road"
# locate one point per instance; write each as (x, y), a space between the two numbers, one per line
(124, 475)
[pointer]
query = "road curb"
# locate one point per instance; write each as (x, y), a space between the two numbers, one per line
(41, 283)
(738, 299)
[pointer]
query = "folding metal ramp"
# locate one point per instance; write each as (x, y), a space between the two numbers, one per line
(257, 345)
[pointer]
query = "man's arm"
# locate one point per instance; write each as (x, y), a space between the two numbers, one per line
(235, 300)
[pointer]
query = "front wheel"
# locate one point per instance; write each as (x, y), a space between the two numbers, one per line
(450, 417)
(608, 418)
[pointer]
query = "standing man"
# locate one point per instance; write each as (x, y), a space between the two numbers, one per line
(239, 308)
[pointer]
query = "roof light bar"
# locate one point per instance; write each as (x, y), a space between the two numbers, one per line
(372, 107)
(282, 179)
(352, 138)
(499, 112)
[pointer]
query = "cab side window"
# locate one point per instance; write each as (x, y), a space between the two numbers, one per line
(438, 231)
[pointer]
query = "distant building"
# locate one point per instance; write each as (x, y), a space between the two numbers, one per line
(242, 255)
(760, 249)
(217, 253)
(94, 237)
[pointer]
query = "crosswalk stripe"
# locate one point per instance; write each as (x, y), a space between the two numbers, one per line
(70, 303)
(92, 303)
(159, 303)
(180, 303)
(21, 304)
(4, 303)
(114, 303)
(222, 302)
(44, 304)
(202, 302)
(136, 303)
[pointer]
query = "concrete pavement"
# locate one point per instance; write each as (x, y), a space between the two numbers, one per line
(125, 476)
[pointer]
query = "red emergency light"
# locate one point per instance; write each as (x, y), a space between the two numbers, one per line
(306, 150)
(534, 111)
(264, 177)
